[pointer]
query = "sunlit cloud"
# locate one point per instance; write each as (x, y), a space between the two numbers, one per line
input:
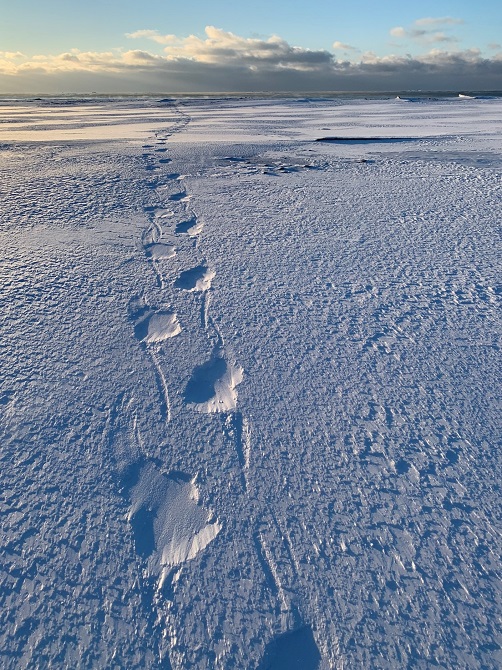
(9, 61)
(220, 46)
(398, 31)
(342, 46)
(153, 35)
(11, 55)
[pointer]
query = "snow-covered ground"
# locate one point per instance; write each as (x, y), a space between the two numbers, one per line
(250, 384)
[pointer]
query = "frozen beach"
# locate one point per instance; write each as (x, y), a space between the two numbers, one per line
(250, 389)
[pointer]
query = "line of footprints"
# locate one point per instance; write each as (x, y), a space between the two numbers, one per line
(169, 525)
(176, 528)
(212, 387)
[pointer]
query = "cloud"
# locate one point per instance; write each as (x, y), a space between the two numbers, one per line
(11, 55)
(445, 20)
(224, 61)
(426, 30)
(153, 35)
(343, 47)
(222, 47)
(398, 31)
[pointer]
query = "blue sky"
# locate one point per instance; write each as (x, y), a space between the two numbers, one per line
(59, 43)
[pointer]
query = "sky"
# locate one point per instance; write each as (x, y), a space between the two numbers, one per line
(114, 46)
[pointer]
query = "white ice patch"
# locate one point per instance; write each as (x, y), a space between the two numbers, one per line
(158, 327)
(161, 251)
(180, 549)
(181, 528)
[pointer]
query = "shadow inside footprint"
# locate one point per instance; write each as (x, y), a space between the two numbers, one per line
(185, 226)
(137, 308)
(176, 197)
(198, 278)
(295, 650)
(141, 329)
(201, 387)
(142, 528)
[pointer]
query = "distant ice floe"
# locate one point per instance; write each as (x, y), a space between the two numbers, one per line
(170, 526)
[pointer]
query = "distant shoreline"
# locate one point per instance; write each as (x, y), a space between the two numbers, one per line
(305, 95)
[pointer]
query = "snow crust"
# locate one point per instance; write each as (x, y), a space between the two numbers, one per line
(250, 391)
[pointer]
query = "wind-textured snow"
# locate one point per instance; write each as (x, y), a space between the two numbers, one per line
(250, 384)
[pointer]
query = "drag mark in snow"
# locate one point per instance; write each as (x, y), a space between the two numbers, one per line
(123, 439)
(220, 342)
(156, 252)
(277, 558)
(152, 234)
(209, 323)
(158, 274)
(233, 427)
(238, 426)
(246, 448)
(286, 538)
(166, 410)
(243, 445)
(137, 433)
(271, 571)
(262, 560)
(153, 329)
(204, 311)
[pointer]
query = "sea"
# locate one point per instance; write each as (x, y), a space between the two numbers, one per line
(420, 95)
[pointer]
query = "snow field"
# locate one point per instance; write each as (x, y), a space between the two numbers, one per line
(251, 413)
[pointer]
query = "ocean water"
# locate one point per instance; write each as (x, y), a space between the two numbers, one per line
(305, 95)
